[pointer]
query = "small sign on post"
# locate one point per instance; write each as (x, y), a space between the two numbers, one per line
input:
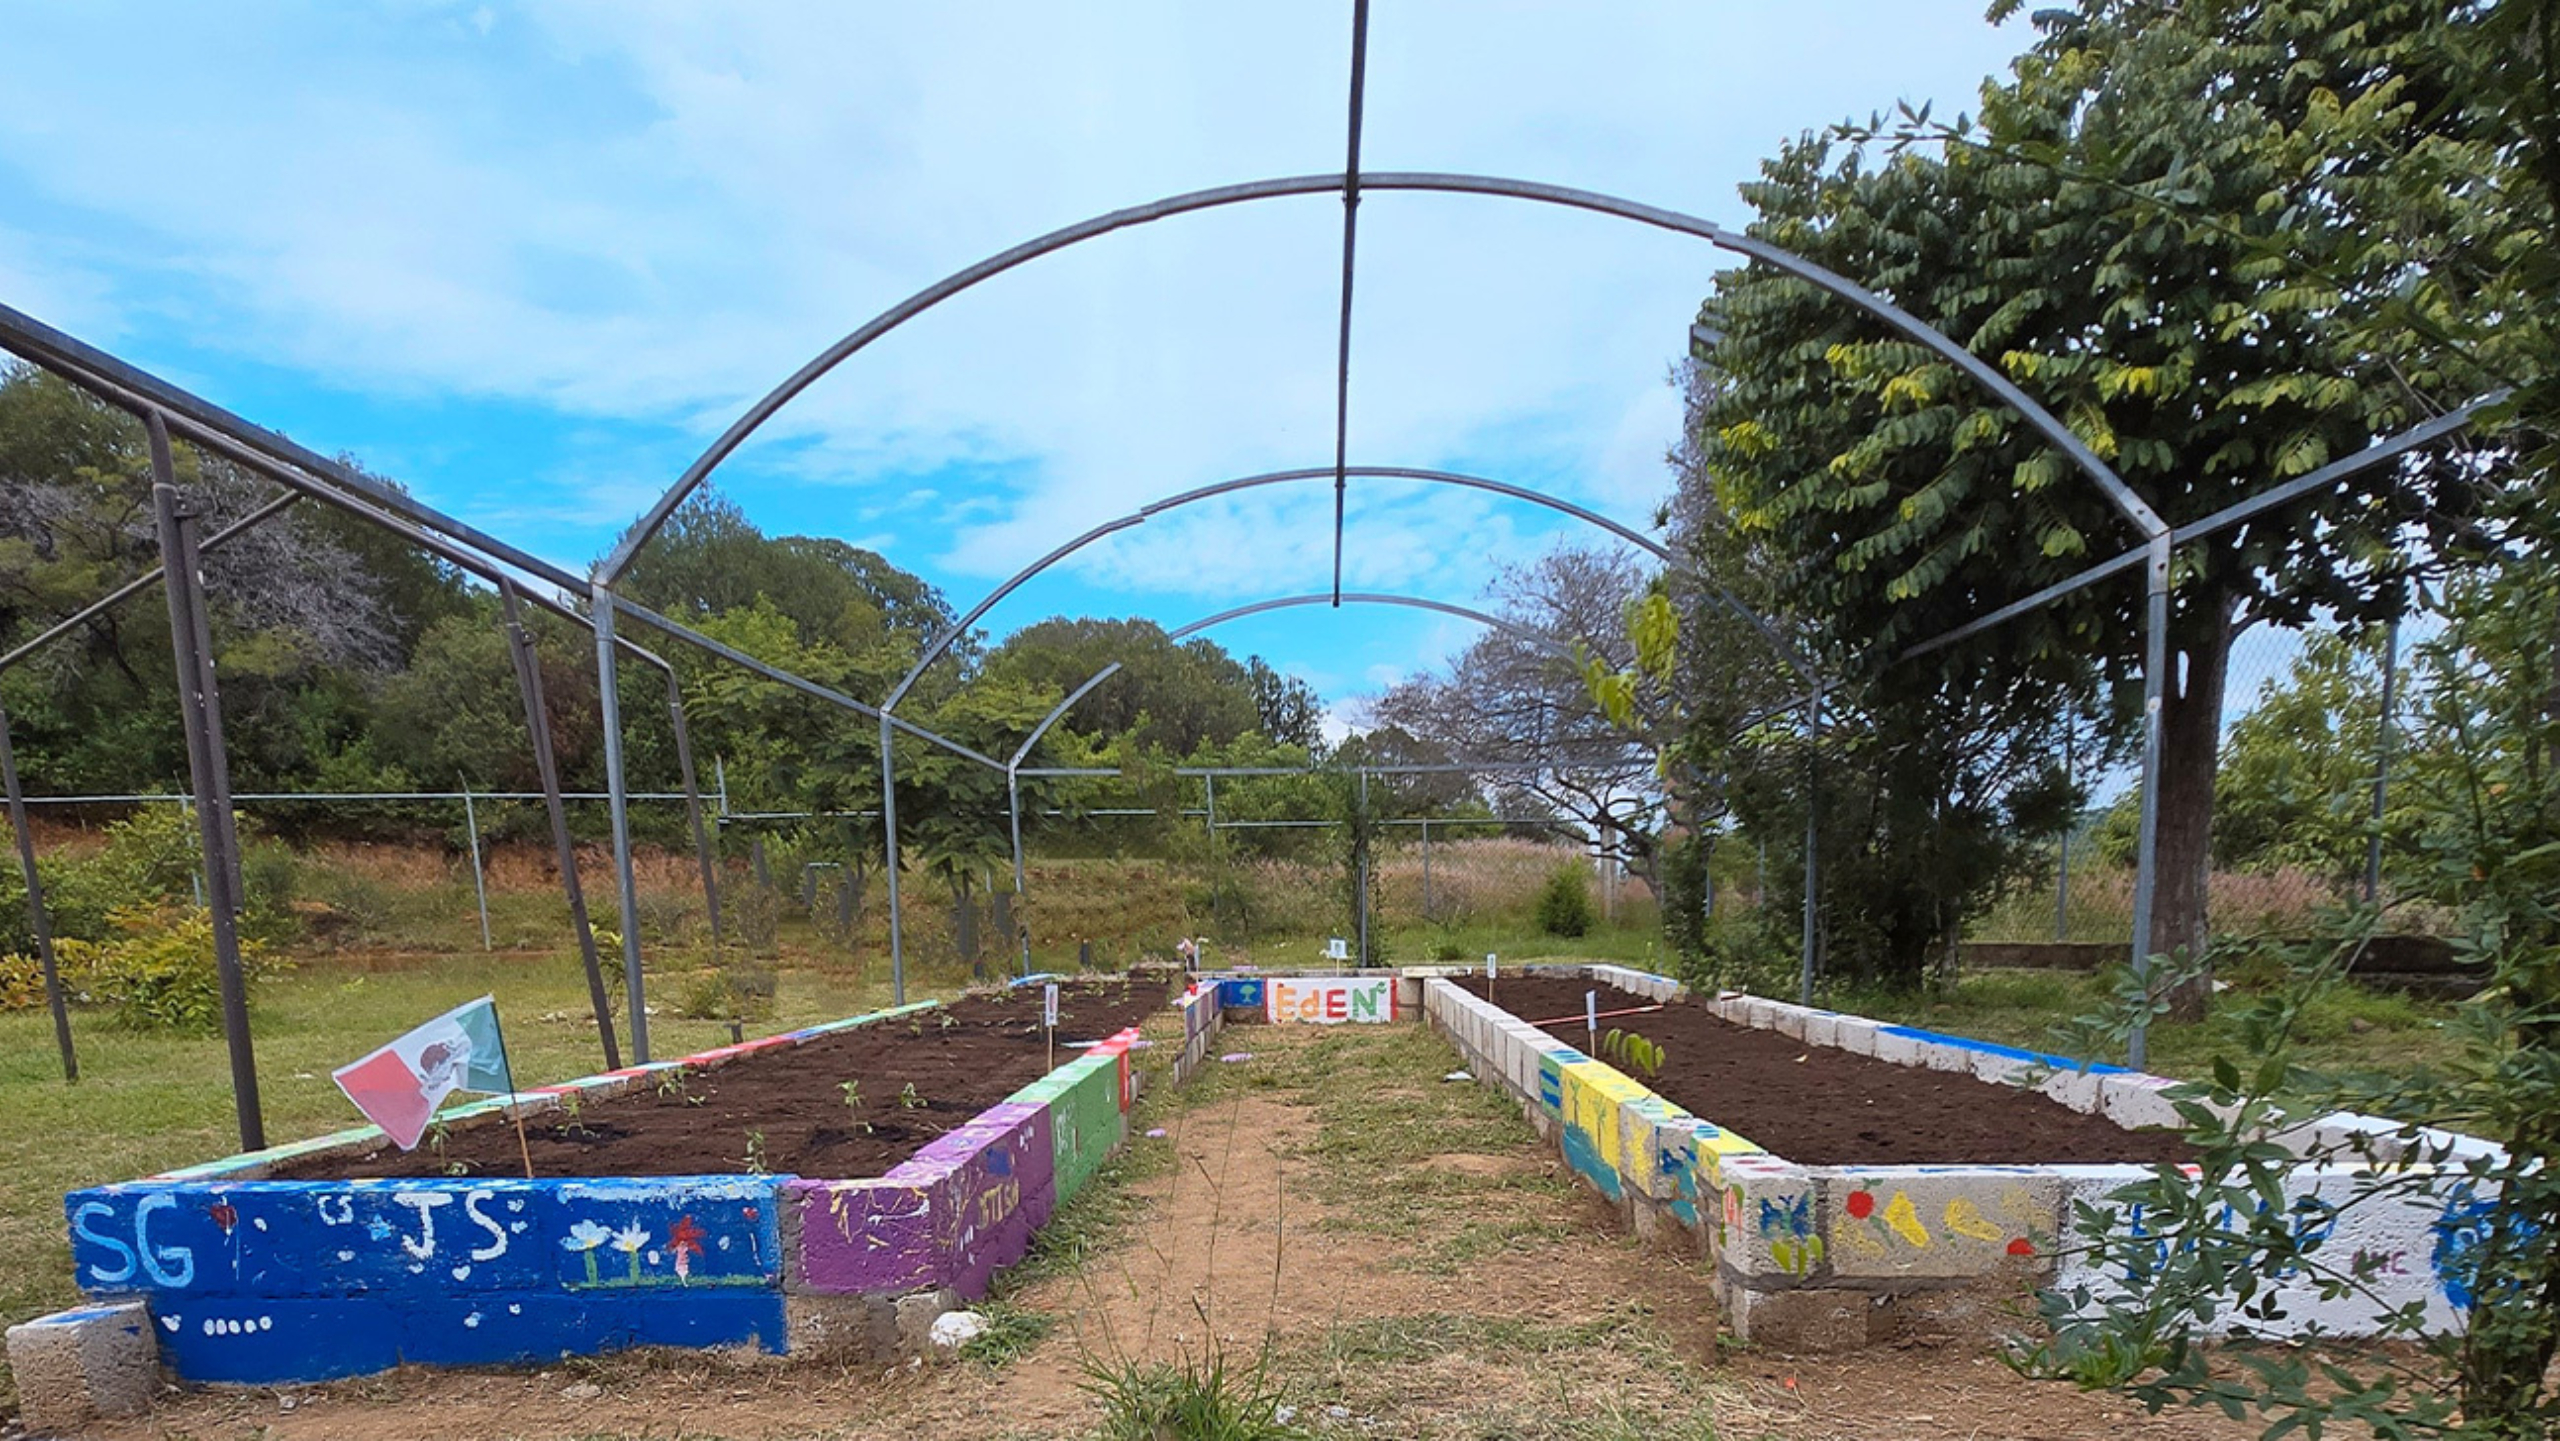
(1049, 1019)
(1337, 949)
(1591, 1020)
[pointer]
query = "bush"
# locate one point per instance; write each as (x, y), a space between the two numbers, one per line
(159, 974)
(1564, 906)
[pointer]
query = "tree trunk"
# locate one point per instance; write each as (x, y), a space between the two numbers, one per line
(2190, 757)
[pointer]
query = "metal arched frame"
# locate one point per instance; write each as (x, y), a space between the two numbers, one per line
(942, 642)
(2138, 513)
(1013, 763)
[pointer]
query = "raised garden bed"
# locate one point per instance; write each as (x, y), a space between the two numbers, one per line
(1821, 1106)
(785, 1110)
(651, 1222)
(1817, 1255)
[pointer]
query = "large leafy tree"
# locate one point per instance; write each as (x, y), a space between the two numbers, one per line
(2105, 237)
(1175, 695)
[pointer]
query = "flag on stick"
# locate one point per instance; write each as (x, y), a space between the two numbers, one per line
(399, 1087)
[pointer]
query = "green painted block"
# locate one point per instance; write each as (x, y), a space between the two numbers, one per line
(1085, 1120)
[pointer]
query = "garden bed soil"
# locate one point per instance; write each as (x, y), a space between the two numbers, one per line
(792, 1097)
(1822, 1106)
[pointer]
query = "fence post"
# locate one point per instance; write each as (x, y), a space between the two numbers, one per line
(479, 885)
(702, 851)
(546, 765)
(39, 924)
(2382, 757)
(1020, 923)
(618, 803)
(2062, 869)
(200, 710)
(1426, 868)
(1360, 889)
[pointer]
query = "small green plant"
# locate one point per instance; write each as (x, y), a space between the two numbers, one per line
(1564, 905)
(908, 1100)
(1630, 1052)
(671, 1086)
(852, 1095)
(1197, 1400)
(1011, 1333)
(947, 1022)
(755, 1155)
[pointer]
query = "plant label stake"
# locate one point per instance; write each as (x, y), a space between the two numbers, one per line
(1049, 1019)
(1591, 1018)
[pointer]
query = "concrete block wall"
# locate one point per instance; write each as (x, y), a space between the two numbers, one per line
(1821, 1257)
(239, 1279)
(1204, 1015)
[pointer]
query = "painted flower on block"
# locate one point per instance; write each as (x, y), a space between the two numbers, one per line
(629, 1240)
(685, 1240)
(585, 1237)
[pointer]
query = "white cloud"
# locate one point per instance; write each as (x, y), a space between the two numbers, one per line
(647, 213)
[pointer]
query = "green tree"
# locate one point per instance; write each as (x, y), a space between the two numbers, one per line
(1177, 696)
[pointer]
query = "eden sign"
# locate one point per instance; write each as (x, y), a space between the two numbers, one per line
(1327, 1000)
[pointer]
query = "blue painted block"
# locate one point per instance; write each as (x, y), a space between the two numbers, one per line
(2041, 1058)
(667, 1233)
(250, 1341)
(1240, 992)
(313, 1238)
(503, 1330)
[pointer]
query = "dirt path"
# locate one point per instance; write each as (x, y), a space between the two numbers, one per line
(1413, 1264)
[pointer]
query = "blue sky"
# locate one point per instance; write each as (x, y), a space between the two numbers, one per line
(530, 260)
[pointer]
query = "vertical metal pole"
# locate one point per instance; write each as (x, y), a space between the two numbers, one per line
(720, 778)
(702, 854)
(39, 924)
(1812, 849)
(479, 883)
(1426, 868)
(200, 709)
(2382, 760)
(2062, 867)
(546, 764)
(889, 849)
(1218, 891)
(618, 802)
(1013, 808)
(2146, 869)
(1366, 834)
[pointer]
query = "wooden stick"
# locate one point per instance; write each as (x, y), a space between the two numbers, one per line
(1604, 1015)
(515, 1112)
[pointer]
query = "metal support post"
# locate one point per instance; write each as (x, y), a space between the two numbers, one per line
(1812, 848)
(1367, 834)
(1013, 808)
(39, 925)
(2146, 865)
(537, 719)
(702, 853)
(479, 881)
(889, 852)
(200, 710)
(618, 802)
(2382, 760)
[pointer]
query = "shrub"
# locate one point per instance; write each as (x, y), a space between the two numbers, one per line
(159, 973)
(1564, 906)
(21, 982)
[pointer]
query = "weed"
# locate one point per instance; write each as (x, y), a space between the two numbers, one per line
(1011, 1333)
(755, 1155)
(1196, 1400)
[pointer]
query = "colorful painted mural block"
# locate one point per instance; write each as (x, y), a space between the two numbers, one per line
(1939, 1221)
(1329, 1000)
(1240, 993)
(999, 1186)
(619, 1235)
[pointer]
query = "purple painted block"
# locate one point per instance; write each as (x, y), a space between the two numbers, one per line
(865, 1236)
(955, 1213)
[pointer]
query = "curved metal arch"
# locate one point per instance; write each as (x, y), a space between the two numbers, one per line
(2132, 506)
(942, 642)
(1411, 602)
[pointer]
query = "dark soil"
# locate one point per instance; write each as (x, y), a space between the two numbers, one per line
(1820, 1106)
(791, 1096)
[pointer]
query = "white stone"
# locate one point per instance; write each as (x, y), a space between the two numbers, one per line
(955, 1329)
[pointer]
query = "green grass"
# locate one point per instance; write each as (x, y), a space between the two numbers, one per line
(2345, 1027)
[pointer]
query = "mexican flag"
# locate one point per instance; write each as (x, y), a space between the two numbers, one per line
(399, 1087)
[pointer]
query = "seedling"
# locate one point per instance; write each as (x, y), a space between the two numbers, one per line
(908, 1100)
(1631, 1052)
(852, 1095)
(671, 1084)
(947, 1022)
(755, 1155)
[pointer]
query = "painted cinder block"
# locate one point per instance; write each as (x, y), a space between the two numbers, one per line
(1821, 1028)
(75, 1366)
(2077, 1089)
(313, 1238)
(1903, 1222)
(265, 1340)
(1000, 1187)
(1855, 1034)
(645, 1235)
(533, 1330)
(1789, 1021)
(1769, 1220)
(1594, 1142)
(1659, 1143)
(2136, 1101)
(1085, 1120)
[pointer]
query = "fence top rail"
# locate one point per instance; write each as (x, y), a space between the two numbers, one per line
(266, 796)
